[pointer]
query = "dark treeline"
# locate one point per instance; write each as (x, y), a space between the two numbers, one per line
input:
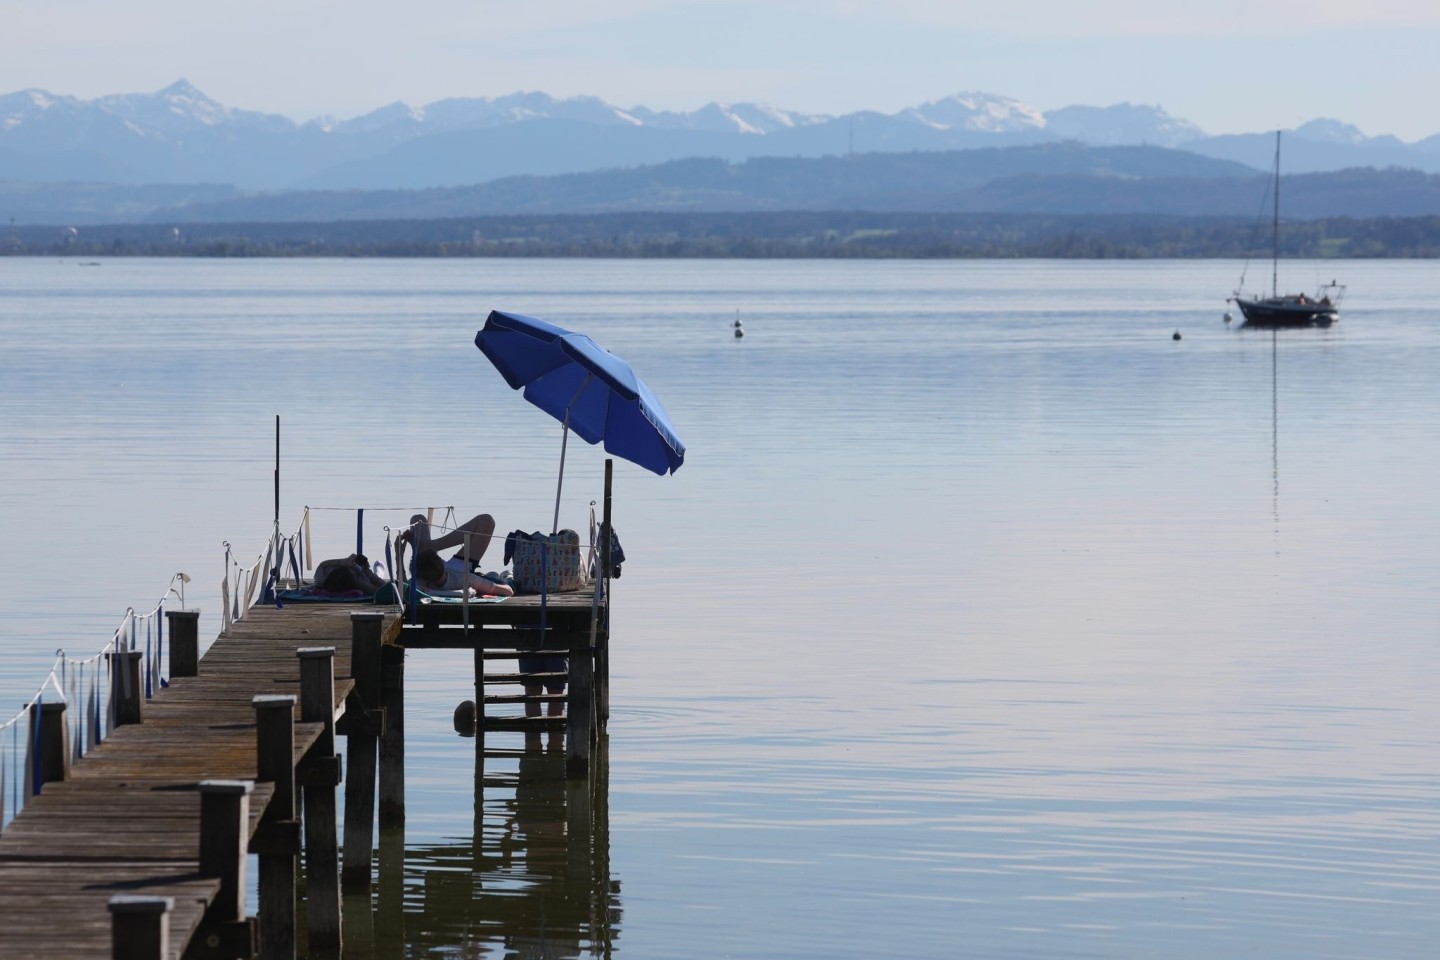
(749, 235)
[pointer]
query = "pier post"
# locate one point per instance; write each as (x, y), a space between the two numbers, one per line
(390, 895)
(478, 654)
(580, 709)
(363, 718)
(224, 838)
(602, 643)
(320, 775)
(279, 834)
(140, 927)
(392, 741)
(127, 694)
(184, 642)
(54, 743)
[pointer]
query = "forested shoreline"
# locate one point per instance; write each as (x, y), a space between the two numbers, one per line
(781, 235)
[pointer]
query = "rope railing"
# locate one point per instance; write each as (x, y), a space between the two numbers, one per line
(285, 561)
(87, 687)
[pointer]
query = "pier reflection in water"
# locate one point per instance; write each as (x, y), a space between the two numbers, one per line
(533, 879)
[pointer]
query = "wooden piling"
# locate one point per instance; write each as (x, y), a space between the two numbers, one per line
(390, 895)
(363, 717)
(579, 824)
(479, 656)
(602, 640)
(54, 743)
(278, 838)
(184, 642)
(126, 692)
(224, 842)
(140, 927)
(224, 833)
(67, 853)
(319, 776)
(580, 712)
(392, 741)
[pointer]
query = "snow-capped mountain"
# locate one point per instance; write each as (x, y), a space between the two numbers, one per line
(750, 118)
(1325, 130)
(1120, 124)
(180, 135)
(978, 113)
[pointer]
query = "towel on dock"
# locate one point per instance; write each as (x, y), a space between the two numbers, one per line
(452, 596)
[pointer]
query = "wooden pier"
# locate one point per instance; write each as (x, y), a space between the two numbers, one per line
(138, 851)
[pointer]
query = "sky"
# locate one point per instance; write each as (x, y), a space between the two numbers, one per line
(1228, 65)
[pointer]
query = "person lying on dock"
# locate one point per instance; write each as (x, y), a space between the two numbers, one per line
(458, 572)
(435, 575)
(347, 575)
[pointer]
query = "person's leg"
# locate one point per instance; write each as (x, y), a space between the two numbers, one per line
(472, 537)
(532, 690)
(418, 533)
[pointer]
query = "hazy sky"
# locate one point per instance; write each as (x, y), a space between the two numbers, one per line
(1228, 65)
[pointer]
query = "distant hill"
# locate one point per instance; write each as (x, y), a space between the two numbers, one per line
(1061, 179)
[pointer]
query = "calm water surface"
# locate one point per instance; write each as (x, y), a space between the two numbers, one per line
(984, 619)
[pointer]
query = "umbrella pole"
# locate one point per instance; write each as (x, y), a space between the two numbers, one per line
(564, 436)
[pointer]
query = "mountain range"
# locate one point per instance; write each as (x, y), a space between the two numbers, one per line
(177, 153)
(179, 135)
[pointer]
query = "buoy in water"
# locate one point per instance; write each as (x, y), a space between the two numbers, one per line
(739, 332)
(1175, 335)
(1228, 317)
(465, 718)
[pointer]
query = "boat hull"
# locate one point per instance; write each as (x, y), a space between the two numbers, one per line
(1287, 312)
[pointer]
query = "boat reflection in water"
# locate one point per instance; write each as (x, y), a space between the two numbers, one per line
(532, 881)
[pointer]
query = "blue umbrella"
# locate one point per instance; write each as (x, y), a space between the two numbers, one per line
(588, 389)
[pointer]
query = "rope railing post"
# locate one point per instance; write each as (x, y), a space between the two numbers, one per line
(184, 642)
(54, 743)
(125, 687)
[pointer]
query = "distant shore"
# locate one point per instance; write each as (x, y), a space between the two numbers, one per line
(777, 235)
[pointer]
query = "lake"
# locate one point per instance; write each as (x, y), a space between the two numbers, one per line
(984, 619)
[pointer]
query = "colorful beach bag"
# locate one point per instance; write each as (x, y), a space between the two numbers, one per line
(557, 557)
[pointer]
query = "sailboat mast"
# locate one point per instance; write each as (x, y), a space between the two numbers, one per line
(1275, 257)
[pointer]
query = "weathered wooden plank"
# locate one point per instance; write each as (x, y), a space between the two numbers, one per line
(61, 911)
(129, 818)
